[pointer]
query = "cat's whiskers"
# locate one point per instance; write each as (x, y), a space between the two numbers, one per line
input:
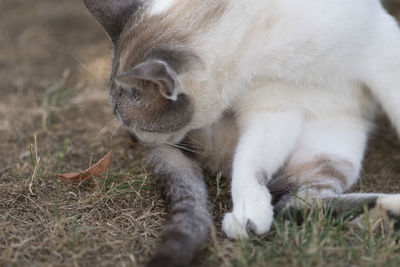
(205, 147)
(87, 68)
(185, 149)
(192, 145)
(195, 140)
(107, 126)
(208, 149)
(116, 128)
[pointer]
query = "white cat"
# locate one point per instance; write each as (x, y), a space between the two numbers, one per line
(301, 78)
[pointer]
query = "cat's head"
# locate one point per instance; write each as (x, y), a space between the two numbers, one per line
(150, 92)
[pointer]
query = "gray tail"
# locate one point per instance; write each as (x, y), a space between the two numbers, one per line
(352, 208)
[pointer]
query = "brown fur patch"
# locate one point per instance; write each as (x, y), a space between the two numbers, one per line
(322, 173)
(170, 30)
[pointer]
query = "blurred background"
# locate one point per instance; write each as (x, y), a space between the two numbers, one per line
(54, 64)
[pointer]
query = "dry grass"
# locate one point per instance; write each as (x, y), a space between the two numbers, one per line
(54, 62)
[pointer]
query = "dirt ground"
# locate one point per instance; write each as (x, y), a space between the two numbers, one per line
(54, 117)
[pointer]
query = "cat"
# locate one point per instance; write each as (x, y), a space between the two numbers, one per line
(278, 95)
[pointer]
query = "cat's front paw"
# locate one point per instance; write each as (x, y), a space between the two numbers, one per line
(243, 223)
(389, 209)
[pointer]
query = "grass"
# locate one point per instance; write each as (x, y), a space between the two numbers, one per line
(118, 221)
(61, 154)
(53, 98)
(58, 222)
(320, 240)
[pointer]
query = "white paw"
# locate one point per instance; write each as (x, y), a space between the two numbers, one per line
(248, 218)
(390, 203)
(389, 210)
(385, 213)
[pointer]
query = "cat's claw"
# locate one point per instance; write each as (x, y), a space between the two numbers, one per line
(240, 225)
(251, 228)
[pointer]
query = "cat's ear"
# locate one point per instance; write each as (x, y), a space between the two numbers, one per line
(156, 71)
(112, 14)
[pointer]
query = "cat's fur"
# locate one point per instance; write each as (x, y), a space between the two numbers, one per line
(279, 95)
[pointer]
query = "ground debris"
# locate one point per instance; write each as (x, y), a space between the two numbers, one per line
(97, 170)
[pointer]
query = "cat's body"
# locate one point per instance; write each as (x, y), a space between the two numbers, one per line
(278, 93)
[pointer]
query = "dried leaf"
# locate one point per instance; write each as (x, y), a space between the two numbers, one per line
(97, 170)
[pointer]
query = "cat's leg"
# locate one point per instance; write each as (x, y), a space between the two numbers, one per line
(328, 155)
(324, 164)
(265, 142)
(382, 69)
(189, 223)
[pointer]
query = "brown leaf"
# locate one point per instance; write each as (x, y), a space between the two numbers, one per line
(97, 170)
